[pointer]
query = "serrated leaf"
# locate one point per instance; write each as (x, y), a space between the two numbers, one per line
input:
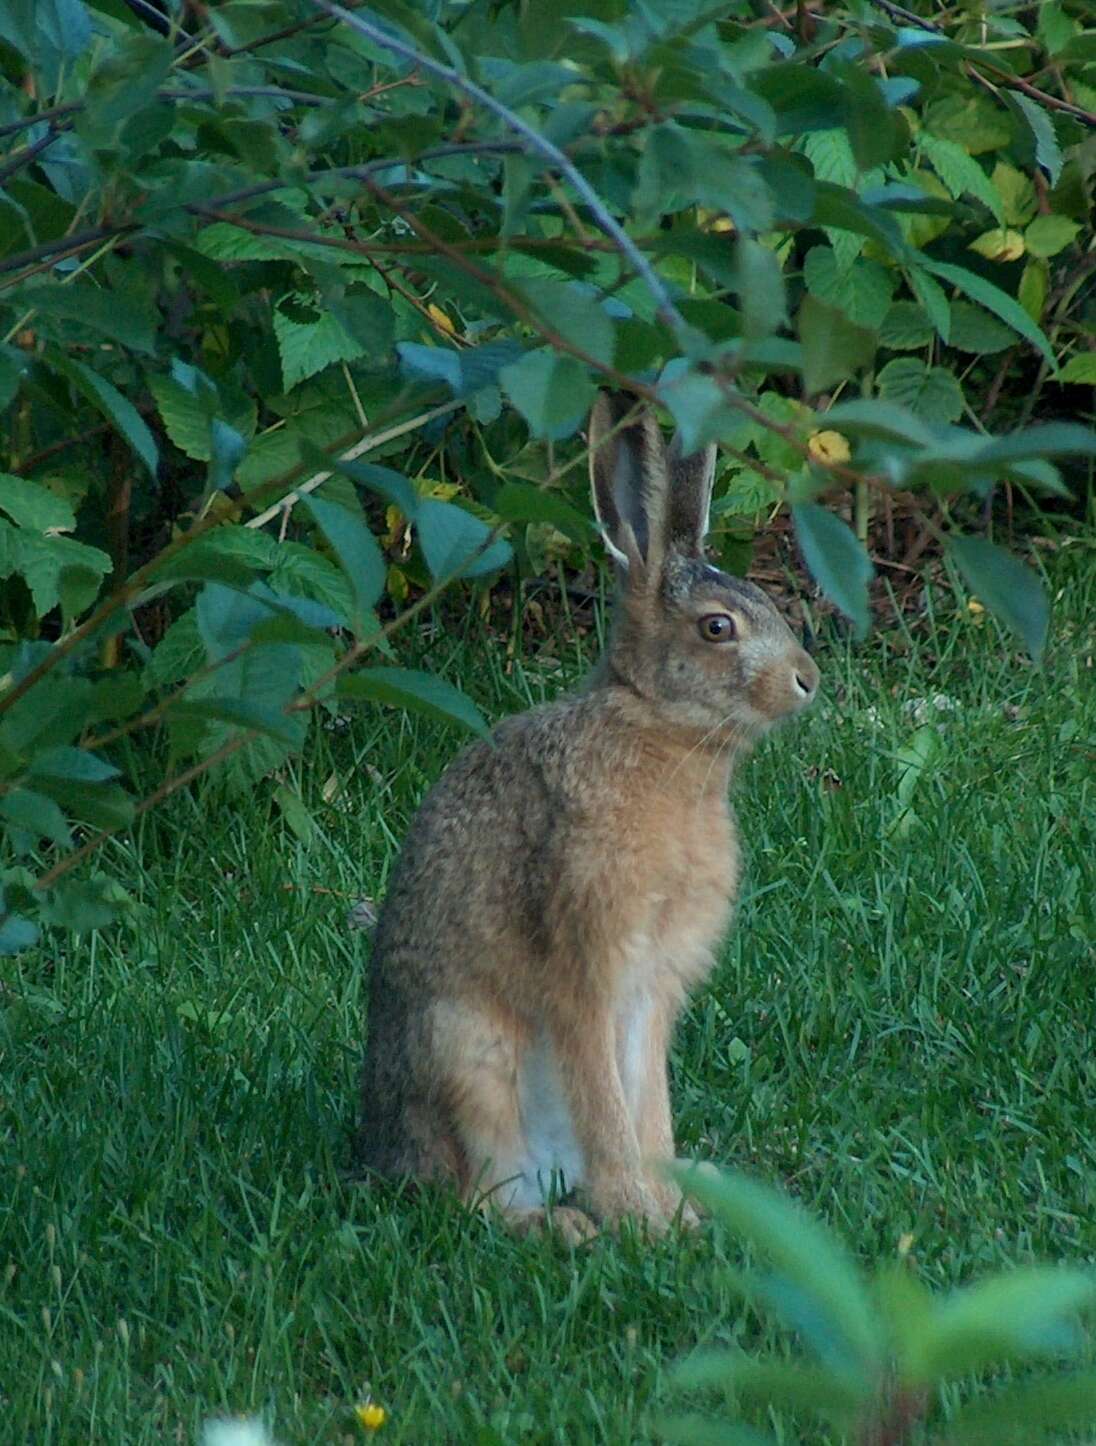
(929, 392)
(307, 347)
(522, 502)
(993, 299)
(836, 559)
(760, 286)
(29, 504)
(1007, 587)
(833, 347)
(420, 692)
(906, 327)
(357, 550)
(862, 291)
(804, 1252)
(553, 393)
(117, 409)
(36, 815)
(1048, 153)
(187, 416)
(454, 543)
(932, 297)
(575, 313)
(240, 713)
(88, 308)
(973, 329)
(961, 173)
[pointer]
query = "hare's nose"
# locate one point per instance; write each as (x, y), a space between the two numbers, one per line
(806, 675)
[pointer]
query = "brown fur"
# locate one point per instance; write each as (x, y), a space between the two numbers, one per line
(562, 889)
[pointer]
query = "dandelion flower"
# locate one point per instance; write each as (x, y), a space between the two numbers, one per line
(371, 1417)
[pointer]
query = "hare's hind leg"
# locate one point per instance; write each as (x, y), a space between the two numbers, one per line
(480, 1052)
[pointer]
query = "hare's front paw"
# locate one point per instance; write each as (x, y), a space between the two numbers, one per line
(568, 1225)
(615, 1200)
(674, 1205)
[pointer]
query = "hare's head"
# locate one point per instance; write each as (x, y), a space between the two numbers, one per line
(704, 649)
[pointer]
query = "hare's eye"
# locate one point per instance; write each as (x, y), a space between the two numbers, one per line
(717, 627)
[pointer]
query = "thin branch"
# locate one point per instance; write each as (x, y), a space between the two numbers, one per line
(367, 444)
(26, 156)
(535, 143)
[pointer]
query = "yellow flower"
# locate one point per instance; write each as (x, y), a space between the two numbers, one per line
(828, 447)
(974, 606)
(371, 1417)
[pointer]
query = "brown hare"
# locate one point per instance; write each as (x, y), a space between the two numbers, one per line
(563, 887)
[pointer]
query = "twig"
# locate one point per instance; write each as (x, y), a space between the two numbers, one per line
(1003, 78)
(367, 444)
(534, 143)
(25, 157)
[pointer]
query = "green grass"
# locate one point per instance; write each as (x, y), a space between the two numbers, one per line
(901, 1031)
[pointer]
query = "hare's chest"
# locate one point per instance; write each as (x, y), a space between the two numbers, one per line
(686, 896)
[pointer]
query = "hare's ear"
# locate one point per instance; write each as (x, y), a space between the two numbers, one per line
(690, 498)
(628, 481)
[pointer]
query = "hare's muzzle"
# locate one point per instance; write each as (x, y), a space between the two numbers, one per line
(786, 682)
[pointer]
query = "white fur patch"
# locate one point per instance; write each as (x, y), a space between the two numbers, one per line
(549, 1135)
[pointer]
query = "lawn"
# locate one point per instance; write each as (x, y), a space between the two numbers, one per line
(901, 1030)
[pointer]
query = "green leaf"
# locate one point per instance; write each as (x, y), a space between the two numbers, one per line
(89, 308)
(419, 692)
(760, 286)
(16, 933)
(993, 299)
(862, 291)
(29, 504)
(1012, 1316)
(1033, 288)
(187, 416)
(71, 763)
(1047, 235)
(1008, 588)
(806, 1253)
(241, 713)
(575, 313)
(366, 318)
(906, 327)
(82, 904)
(973, 329)
(392, 486)
(932, 297)
(454, 543)
(553, 393)
(836, 559)
(1022, 1413)
(1080, 369)
(117, 409)
(786, 1385)
(521, 502)
(961, 173)
(833, 347)
(357, 550)
(36, 815)
(1048, 153)
(929, 392)
(696, 1430)
(309, 340)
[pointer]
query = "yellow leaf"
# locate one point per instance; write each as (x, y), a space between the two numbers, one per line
(828, 447)
(397, 585)
(999, 245)
(439, 318)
